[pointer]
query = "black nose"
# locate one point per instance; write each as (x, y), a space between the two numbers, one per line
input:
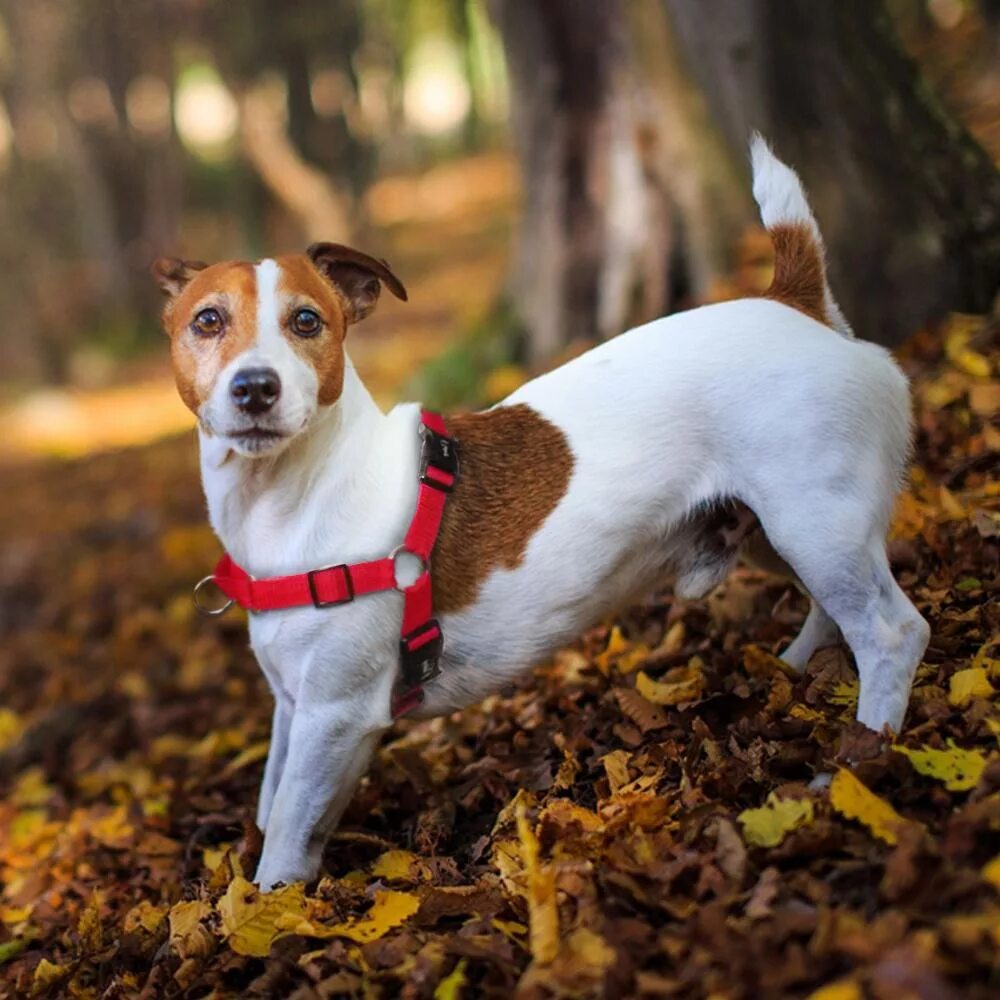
(255, 390)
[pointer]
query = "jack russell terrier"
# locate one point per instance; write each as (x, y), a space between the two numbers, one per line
(375, 560)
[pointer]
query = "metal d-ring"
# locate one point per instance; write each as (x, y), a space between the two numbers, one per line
(400, 550)
(203, 609)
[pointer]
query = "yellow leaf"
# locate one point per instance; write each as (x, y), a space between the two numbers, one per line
(187, 935)
(842, 989)
(625, 655)
(972, 363)
(854, 801)
(11, 728)
(89, 926)
(543, 913)
(400, 865)
(768, 825)
(144, 915)
(673, 641)
(959, 769)
(253, 920)
(682, 684)
(805, 713)
(991, 872)
(844, 693)
(968, 684)
(47, 974)
(450, 988)
(389, 910)
(590, 953)
(211, 857)
(15, 914)
(113, 829)
(616, 768)
(31, 789)
(252, 754)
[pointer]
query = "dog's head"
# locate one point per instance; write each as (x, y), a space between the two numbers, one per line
(258, 349)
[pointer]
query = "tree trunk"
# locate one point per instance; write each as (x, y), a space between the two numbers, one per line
(594, 227)
(908, 203)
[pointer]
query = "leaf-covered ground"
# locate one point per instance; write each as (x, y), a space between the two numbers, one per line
(635, 819)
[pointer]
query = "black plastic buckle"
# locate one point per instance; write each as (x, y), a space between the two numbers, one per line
(439, 452)
(311, 577)
(420, 665)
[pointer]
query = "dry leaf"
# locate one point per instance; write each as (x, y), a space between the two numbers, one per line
(842, 989)
(768, 825)
(678, 686)
(959, 769)
(253, 920)
(854, 801)
(543, 913)
(967, 684)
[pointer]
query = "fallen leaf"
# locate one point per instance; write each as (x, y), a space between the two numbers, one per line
(854, 800)
(450, 988)
(973, 682)
(47, 974)
(680, 685)
(543, 914)
(253, 920)
(768, 825)
(842, 989)
(389, 910)
(145, 916)
(399, 865)
(624, 655)
(959, 769)
(188, 937)
(991, 872)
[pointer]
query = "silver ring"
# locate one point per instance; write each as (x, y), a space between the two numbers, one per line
(399, 549)
(203, 609)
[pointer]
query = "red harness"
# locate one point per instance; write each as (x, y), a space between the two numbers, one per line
(421, 639)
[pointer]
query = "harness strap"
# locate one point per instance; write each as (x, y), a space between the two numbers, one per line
(421, 640)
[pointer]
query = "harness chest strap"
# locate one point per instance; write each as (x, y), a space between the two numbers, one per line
(421, 639)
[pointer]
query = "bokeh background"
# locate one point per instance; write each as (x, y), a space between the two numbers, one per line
(542, 175)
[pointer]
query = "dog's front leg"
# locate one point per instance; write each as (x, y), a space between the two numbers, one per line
(329, 748)
(281, 723)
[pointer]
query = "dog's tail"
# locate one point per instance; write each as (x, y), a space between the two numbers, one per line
(799, 256)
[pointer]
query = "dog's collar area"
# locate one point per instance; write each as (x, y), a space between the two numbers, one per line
(421, 640)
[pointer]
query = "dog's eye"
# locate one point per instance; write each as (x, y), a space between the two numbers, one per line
(208, 323)
(306, 323)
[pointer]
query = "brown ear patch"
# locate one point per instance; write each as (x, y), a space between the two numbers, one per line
(172, 274)
(799, 279)
(357, 276)
(515, 468)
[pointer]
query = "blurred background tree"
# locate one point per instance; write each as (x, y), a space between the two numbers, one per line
(129, 128)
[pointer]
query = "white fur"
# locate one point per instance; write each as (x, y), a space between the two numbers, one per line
(748, 399)
(779, 194)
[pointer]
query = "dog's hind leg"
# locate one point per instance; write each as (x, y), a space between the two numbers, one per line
(839, 554)
(819, 629)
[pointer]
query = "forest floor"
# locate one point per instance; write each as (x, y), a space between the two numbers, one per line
(634, 819)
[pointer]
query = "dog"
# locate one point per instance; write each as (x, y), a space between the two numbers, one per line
(583, 490)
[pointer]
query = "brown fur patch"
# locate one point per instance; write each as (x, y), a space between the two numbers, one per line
(515, 468)
(799, 275)
(301, 286)
(231, 288)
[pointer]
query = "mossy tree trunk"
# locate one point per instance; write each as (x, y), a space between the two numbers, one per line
(908, 203)
(592, 247)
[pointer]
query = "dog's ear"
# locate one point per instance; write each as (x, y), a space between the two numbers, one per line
(357, 276)
(172, 274)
